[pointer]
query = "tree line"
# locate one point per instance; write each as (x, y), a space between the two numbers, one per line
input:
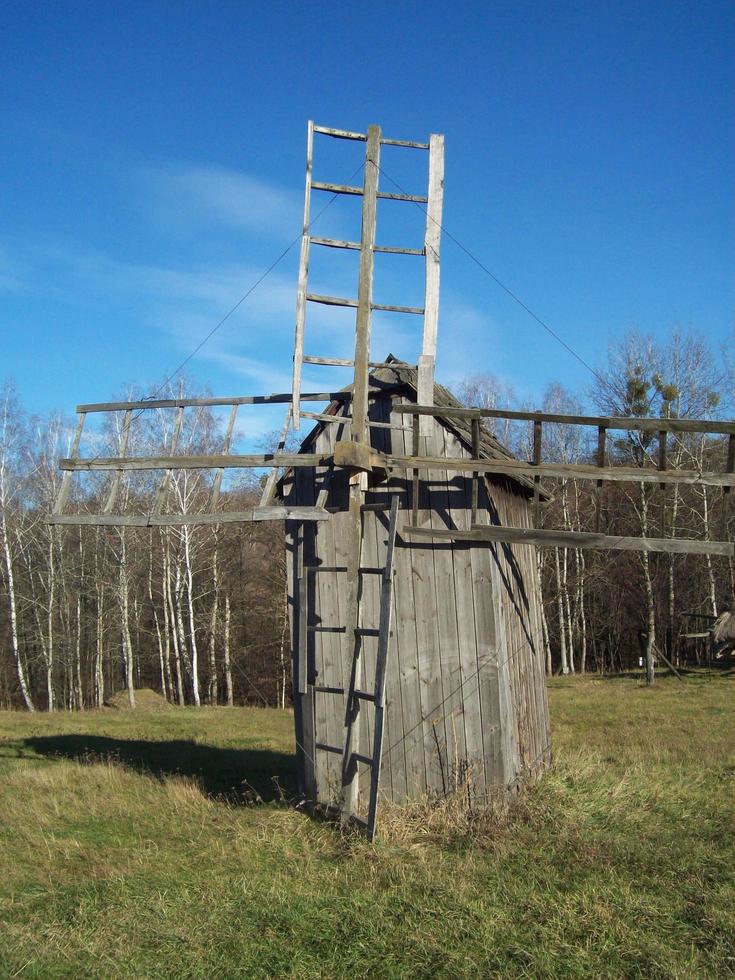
(199, 613)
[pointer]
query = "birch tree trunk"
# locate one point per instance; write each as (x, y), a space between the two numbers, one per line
(229, 693)
(562, 625)
(124, 602)
(14, 640)
(171, 620)
(212, 692)
(192, 622)
(648, 584)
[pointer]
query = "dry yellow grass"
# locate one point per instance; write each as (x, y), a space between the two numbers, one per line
(129, 848)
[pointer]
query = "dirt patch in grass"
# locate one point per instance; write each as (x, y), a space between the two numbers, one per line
(145, 698)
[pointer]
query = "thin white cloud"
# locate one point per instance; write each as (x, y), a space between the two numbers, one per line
(210, 193)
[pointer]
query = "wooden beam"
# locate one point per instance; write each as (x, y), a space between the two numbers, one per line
(359, 430)
(475, 474)
(163, 488)
(413, 198)
(197, 462)
(574, 539)
(340, 134)
(117, 478)
(418, 310)
(560, 471)
(537, 446)
(302, 280)
(609, 422)
(601, 441)
(334, 242)
(270, 482)
(280, 399)
(432, 242)
(66, 478)
(174, 520)
(321, 185)
(352, 529)
(331, 300)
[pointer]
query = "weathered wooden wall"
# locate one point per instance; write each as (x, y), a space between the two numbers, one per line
(466, 699)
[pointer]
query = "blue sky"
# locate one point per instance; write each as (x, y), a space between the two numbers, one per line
(153, 160)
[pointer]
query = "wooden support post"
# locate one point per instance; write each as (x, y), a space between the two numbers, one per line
(601, 437)
(298, 355)
(163, 488)
(726, 491)
(267, 497)
(303, 690)
(386, 612)
(537, 443)
(415, 484)
(67, 477)
(353, 531)
(115, 484)
(432, 240)
(475, 474)
(359, 428)
(662, 466)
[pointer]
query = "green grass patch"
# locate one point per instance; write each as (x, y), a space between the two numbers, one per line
(132, 845)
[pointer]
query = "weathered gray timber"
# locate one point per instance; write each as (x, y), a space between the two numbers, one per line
(465, 699)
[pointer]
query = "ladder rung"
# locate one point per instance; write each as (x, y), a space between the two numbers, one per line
(368, 570)
(415, 146)
(367, 631)
(343, 243)
(346, 420)
(387, 425)
(345, 134)
(331, 361)
(392, 364)
(326, 629)
(393, 309)
(325, 568)
(363, 695)
(416, 198)
(390, 250)
(362, 758)
(329, 690)
(336, 243)
(340, 134)
(327, 748)
(320, 185)
(332, 300)
(348, 362)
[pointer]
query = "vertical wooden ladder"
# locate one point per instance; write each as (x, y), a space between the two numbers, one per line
(363, 304)
(357, 698)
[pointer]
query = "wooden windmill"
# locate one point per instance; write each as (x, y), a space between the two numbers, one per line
(411, 535)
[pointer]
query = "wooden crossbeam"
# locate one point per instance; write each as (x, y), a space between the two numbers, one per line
(274, 513)
(196, 462)
(574, 539)
(609, 422)
(280, 399)
(561, 471)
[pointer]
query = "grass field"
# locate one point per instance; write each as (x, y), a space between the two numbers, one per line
(121, 856)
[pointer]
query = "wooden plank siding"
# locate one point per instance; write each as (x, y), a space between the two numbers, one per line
(465, 690)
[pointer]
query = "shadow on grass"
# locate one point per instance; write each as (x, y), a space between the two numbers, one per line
(241, 776)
